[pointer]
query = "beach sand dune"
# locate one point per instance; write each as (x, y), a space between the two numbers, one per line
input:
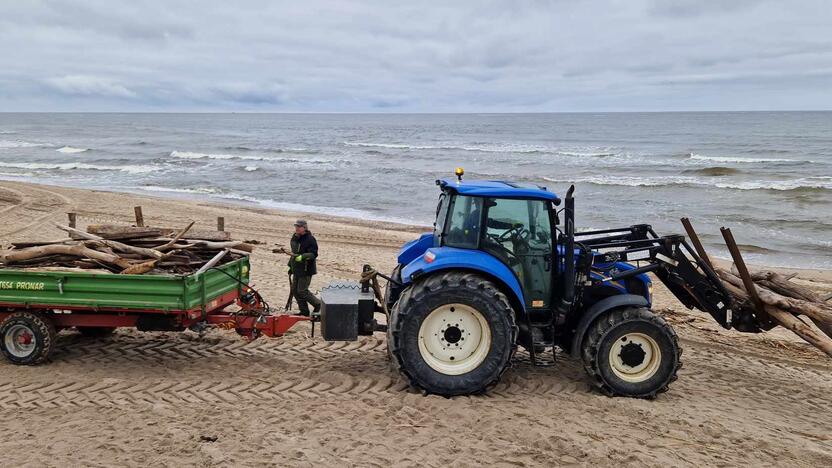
(167, 399)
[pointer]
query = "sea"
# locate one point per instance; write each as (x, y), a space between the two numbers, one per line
(766, 175)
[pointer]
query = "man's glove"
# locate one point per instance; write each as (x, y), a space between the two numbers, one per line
(299, 258)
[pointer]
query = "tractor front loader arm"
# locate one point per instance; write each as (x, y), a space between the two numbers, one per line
(673, 261)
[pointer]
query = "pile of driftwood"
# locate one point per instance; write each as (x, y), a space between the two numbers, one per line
(124, 249)
(772, 297)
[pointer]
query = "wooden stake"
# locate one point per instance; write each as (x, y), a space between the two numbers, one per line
(139, 216)
(72, 217)
(220, 223)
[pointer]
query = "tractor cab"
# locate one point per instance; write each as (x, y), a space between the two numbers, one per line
(513, 223)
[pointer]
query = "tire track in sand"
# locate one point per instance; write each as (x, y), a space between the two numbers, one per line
(31, 202)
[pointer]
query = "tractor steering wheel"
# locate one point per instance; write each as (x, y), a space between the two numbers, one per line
(518, 232)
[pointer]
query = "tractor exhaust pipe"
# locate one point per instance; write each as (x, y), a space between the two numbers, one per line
(569, 254)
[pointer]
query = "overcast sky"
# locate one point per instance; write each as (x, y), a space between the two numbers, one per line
(386, 56)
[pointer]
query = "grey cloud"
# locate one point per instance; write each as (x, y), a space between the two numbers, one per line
(319, 55)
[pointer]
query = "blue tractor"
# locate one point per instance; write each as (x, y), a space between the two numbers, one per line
(504, 267)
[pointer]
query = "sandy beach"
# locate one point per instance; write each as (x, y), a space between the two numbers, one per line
(167, 399)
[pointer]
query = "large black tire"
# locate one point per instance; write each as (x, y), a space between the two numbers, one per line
(441, 293)
(392, 292)
(631, 352)
(96, 332)
(27, 338)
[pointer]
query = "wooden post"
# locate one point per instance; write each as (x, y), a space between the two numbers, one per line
(72, 217)
(750, 288)
(220, 223)
(139, 216)
(697, 244)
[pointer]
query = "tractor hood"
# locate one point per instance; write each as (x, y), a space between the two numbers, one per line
(413, 249)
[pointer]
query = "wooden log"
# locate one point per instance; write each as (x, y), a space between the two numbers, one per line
(818, 340)
(169, 245)
(117, 232)
(149, 253)
(211, 263)
(199, 234)
(140, 268)
(782, 285)
(821, 314)
(221, 245)
(23, 245)
(80, 250)
(139, 216)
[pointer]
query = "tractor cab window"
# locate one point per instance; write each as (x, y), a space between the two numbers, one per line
(463, 224)
(519, 233)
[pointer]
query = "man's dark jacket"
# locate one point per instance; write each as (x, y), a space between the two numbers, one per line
(307, 246)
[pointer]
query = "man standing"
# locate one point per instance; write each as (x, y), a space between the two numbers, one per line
(302, 266)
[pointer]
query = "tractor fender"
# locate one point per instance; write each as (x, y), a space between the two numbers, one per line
(451, 258)
(595, 310)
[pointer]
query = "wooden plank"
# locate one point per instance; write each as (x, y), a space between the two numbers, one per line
(116, 232)
(220, 223)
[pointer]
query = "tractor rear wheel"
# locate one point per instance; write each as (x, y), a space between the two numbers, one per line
(27, 338)
(452, 333)
(631, 352)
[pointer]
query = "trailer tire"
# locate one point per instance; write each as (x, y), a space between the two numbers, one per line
(631, 352)
(27, 338)
(430, 322)
(95, 332)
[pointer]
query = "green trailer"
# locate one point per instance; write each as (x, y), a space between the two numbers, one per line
(35, 305)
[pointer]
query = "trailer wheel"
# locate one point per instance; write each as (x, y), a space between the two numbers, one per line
(631, 352)
(96, 332)
(27, 338)
(452, 334)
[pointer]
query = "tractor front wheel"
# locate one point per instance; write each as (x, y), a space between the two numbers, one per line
(452, 333)
(27, 338)
(631, 352)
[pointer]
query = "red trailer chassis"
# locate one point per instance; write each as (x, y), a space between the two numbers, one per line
(250, 321)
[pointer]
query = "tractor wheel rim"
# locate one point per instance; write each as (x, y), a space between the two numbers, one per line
(635, 357)
(20, 341)
(454, 339)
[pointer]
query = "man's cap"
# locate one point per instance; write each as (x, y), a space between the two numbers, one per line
(301, 222)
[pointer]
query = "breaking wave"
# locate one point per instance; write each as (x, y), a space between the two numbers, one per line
(19, 144)
(804, 183)
(132, 169)
(221, 156)
(194, 191)
(735, 159)
(486, 148)
(71, 150)
(297, 150)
